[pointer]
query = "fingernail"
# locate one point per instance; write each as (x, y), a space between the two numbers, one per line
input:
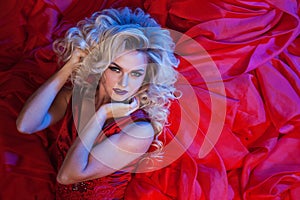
(134, 102)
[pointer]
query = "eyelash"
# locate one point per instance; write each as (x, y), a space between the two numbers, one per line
(136, 74)
(116, 69)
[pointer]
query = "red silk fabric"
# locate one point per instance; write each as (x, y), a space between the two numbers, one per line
(255, 49)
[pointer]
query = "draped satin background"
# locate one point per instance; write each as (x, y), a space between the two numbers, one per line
(255, 47)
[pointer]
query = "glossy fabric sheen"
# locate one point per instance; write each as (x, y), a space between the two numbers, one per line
(254, 46)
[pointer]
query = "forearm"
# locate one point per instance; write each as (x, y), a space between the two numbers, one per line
(34, 112)
(77, 157)
(82, 160)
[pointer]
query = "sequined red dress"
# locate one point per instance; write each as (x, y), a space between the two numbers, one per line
(109, 187)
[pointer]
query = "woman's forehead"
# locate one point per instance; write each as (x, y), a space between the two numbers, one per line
(132, 60)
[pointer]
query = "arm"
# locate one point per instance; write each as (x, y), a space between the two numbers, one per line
(86, 160)
(48, 104)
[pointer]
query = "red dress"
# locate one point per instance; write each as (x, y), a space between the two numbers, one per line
(108, 187)
(255, 45)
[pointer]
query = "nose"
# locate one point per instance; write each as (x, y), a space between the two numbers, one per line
(124, 80)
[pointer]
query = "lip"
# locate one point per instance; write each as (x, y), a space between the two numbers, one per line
(119, 91)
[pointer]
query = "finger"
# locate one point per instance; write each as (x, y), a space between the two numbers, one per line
(135, 103)
(133, 106)
(80, 53)
(83, 53)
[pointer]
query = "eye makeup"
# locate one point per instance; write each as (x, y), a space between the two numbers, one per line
(117, 68)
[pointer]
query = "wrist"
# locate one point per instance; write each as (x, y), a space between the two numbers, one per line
(65, 72)
(102, 113)
(68, 67)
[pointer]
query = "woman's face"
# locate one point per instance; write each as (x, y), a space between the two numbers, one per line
(123, 78)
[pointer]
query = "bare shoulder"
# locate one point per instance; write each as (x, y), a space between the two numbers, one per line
(136, 137)
(140, 129)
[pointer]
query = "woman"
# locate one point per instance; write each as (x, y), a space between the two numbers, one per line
(121, 67)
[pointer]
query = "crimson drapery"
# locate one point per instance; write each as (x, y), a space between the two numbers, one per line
(241, 111)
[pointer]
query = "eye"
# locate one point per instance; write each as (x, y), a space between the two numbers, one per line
(136, 74)
(114, 69)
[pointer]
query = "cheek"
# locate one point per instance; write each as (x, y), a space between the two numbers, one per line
(136, 84)
(110, 80)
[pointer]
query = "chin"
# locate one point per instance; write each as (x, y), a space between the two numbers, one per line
(120, 99)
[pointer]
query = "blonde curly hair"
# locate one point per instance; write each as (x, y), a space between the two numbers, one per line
(109, 33)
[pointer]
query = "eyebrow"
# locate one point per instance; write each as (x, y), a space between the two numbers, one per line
(113, 63)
